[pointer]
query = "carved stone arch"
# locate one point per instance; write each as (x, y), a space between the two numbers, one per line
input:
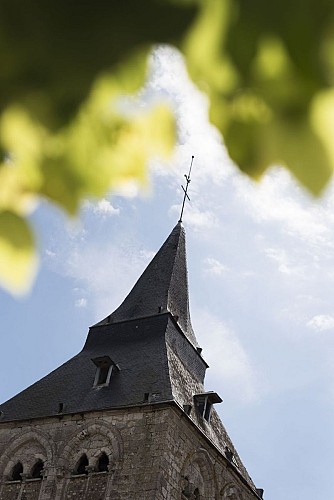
(198, 476)
(44, 450)
(230, 492)
(85, 441)
(91, 440)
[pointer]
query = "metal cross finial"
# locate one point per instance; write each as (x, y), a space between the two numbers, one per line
(186, 189)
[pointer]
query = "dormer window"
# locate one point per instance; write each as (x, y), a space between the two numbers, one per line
(204, 402)
(104, 368)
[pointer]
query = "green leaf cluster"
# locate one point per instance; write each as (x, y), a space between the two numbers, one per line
(267, 68)
(63, 136)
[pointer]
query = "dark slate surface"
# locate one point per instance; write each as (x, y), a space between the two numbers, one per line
(137, 347)
(163, 284)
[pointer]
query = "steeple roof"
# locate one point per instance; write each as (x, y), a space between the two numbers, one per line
(162, 287)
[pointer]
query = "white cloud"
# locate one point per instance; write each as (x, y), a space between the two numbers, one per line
(107, 284)
(284, 264)
(229, 364)
(129, 189)
(321, 322)
(81, 303)
(200, 219)
(196, 218)
(102, 207)
(214, 266)
(50, 253)
(278, 199)
(196, 136)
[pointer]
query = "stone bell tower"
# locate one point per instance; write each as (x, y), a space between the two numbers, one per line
(127, 417)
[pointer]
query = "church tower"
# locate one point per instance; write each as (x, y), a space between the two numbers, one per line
(128, 417)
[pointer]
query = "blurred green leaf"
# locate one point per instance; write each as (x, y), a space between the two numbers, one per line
(263, 65)
(52, 52)
(17, 253)
(267, 68)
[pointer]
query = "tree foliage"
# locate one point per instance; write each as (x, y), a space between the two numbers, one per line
(267, 67)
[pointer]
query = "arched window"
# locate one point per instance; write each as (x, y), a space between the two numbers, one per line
(37, 469)
(82, 463)
(17, 470)
(103, 463)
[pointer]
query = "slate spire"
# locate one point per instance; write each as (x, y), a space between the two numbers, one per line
(162, 287)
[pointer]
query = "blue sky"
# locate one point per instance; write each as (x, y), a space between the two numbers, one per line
(261, 273)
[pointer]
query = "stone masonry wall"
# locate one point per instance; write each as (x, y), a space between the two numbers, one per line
(184, 386)
(154, 452)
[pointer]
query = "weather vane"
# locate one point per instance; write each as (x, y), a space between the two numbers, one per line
(185, 190)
